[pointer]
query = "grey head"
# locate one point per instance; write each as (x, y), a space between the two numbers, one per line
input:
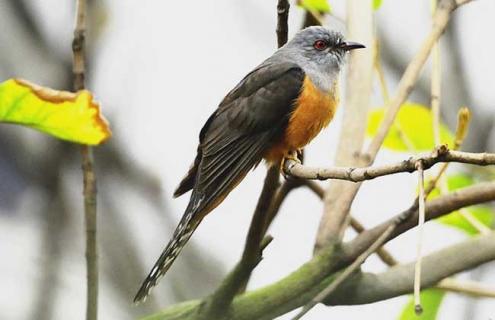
(319, 52)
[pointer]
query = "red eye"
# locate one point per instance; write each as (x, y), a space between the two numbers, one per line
(320, 45)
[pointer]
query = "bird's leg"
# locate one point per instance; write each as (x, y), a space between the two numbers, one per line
(291, 155)
(294, 155)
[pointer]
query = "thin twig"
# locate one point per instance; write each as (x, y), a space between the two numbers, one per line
(89, 177)
(440, 154)
(380, 73)
(282, 22)
(479, 193)
(346, 273)
(472, 288)
(384, 255)
(436, 84)
(421, 221)
(475, 223)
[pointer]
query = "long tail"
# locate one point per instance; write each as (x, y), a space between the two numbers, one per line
(182, 233)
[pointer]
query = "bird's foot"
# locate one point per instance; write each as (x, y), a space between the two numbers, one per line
(291, 156)
(294, 156)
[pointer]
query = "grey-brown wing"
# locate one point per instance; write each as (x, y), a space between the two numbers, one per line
(249, 120)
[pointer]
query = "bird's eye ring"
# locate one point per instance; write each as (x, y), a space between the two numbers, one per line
(320, 45)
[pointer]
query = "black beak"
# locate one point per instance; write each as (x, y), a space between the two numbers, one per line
(349, 45)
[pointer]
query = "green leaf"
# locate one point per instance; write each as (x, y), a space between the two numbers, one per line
(377, 4)
(321, 6)
(412, 129)
(481, 213)
(484, 214)
(431, 299)
(66, 115)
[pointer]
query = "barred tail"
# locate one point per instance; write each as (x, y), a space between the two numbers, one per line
(182, 233)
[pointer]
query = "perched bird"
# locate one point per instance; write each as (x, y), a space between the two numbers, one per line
(278, 108)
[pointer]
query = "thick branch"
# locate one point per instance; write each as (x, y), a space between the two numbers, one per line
(333, 219)
(398, 280)
(277, 299)
(356, 104)
(360, 174)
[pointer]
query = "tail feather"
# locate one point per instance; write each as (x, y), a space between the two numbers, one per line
(182, 233)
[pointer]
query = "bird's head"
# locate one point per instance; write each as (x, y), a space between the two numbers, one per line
(318, 47)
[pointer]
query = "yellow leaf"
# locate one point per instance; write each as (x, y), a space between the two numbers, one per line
(69, 116)
(412, 129)
(321, 6)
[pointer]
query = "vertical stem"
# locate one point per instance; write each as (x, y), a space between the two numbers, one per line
(89, 178)
(435, 85)
(89, 193)
(421, 221)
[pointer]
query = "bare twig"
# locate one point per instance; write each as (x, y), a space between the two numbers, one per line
(282, 22)
(333, 219)
(441, 154)
(89, 177)
(475, 223)
(472, 288)
(380, 73)
(346, 273)
(384, 255)
(436, 85)
(479, 193)
(421, 221)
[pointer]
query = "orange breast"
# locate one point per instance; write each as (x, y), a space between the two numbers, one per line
(314, 110)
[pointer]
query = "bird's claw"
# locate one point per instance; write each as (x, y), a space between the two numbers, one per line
(292, 156)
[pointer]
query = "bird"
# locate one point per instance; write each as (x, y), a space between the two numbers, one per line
(273, 112)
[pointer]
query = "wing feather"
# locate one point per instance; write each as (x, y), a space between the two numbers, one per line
(250, 119)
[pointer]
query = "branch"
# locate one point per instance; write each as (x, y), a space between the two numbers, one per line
(479, 193)
(353, 267)
(333, 219)
(302, 285)
(441, 154)
(89, 177)
(362, 288)
(398, 280)
(471, 288)
(218, 304)
(282, 22)
(357, 101)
